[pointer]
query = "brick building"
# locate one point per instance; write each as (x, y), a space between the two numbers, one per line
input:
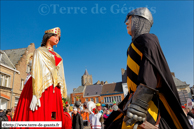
(183, 89)
(14, 68)
(99, 92)
(112, 92)
(92, 93)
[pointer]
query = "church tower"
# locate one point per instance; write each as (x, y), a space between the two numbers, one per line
(86, 79)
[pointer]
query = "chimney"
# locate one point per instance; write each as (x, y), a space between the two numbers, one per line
(74, 89)
(173, 74)
(122, 71)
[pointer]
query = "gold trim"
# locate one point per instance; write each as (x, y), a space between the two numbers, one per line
(170, 111)
(137, 50)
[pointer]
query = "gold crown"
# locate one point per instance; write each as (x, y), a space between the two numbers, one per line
(55, 30)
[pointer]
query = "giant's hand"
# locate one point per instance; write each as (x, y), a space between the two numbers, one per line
(135, 114)
(34, 102)
(137, 110)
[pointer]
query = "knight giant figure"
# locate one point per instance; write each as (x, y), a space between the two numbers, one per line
(152, 97)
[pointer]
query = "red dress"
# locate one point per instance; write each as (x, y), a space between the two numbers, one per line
(50, 102)
(68, 121)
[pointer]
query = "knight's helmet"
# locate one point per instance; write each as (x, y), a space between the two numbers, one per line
(142, 21)
(142, 12)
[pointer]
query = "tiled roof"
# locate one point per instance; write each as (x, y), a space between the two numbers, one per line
(80, 89)
(93, 90)
(179, 82)
(5, 60)
(15, 54)
(112, 88)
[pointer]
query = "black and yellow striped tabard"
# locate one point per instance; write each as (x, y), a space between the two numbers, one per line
(134, 57)
(146, 63)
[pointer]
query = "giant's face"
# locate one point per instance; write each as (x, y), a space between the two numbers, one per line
(54, 40)
(128, 23)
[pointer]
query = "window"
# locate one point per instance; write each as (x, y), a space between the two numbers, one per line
(4, 80)
(16, 102)
(7, 81)
(104, 99)
(86, 99)
(22, 84)
(3, 103)
(97, 100)
(107, 99)
(119, 98)
(110, 99)
(114, 98)
(96, 92)
(92, 99)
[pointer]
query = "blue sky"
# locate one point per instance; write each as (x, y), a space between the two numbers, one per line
(94, 36)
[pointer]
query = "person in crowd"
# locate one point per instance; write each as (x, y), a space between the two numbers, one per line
(81, 107)
(114, 103)
(85, 114)
(106, 115)
(190, 119)
(77, 121)
(8, 115)
(96, 119)
(67, 105)
(190, 112)
(67, 119)
(77, 105)
(70, 111)
(2, 116)
(98, 106)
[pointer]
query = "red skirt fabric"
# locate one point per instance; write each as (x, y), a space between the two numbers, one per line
(68, 121)
(50, 102)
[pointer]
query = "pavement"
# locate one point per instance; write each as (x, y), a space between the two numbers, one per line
(89, 127)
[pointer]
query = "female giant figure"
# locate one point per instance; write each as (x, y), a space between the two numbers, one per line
(41, 98)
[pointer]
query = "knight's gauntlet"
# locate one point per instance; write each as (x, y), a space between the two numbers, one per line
(137, 110)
